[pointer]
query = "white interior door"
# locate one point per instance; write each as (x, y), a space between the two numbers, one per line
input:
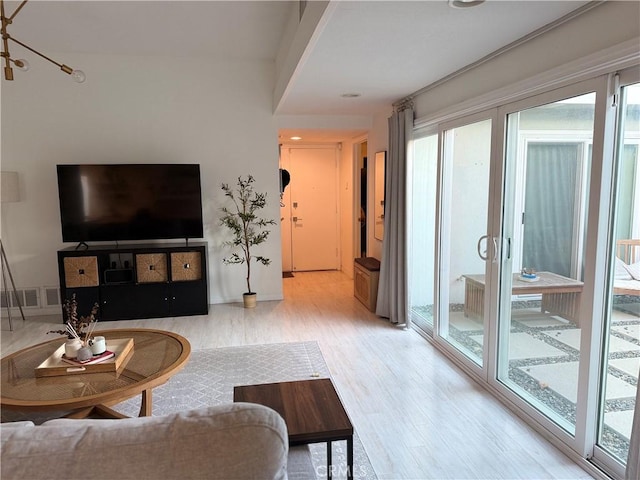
(314, 208)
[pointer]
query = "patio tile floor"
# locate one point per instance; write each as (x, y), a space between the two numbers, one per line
(544, 352)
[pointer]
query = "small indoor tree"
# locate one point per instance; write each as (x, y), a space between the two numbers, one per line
(248, 229)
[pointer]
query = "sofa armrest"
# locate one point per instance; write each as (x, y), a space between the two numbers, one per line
(231, 441)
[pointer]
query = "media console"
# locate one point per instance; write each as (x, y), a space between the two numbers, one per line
(136, 281)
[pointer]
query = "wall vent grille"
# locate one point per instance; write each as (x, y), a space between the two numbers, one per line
(29, 298)
(51, 296)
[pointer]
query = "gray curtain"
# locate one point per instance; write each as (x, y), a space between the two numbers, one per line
(633, 461)
(550, 196)
(393, 283)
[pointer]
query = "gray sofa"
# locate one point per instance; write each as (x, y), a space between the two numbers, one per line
(232, 441)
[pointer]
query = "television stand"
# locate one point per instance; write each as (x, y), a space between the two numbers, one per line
(86, 246)
(136, 281)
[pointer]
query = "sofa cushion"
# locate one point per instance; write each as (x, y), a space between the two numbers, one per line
(634, 270)
(231, 441)
(621, 272)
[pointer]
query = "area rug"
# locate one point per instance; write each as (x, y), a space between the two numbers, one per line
(210, 375)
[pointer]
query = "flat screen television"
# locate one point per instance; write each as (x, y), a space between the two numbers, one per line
(129, 202)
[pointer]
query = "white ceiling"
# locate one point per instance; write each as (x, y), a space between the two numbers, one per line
(386, 50)
(383, 50)
(245, 30)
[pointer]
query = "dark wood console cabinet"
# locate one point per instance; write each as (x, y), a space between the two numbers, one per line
(136, 281)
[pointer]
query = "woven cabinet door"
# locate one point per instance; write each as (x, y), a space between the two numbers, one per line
(151, 268)
(81, 272)
(186, 266)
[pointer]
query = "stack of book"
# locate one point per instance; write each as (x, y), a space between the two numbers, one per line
(106, 355)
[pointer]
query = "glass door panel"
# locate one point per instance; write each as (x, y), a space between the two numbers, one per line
(424, 175)
(548, 153)
(464, 243)
(621, 360)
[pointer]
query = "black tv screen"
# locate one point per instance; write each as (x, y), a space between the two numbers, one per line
(129, 202)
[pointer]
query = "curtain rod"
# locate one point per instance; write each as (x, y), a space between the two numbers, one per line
(536, 33)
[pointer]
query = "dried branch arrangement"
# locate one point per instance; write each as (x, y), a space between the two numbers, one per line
(74, 325)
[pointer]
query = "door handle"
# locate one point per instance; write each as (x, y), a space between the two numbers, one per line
(295, 219)
(480, 254)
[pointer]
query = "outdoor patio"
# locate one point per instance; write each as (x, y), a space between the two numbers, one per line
(544, 353)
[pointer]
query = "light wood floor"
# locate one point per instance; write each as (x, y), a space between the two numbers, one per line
(418, 416)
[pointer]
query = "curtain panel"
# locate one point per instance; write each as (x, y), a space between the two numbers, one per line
(393, 283)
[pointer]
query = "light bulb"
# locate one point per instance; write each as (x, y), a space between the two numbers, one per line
(78, 76)
(22, 64)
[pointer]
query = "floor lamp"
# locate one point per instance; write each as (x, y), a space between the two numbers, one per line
(9, 193)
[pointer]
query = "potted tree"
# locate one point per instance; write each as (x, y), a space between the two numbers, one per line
(247, 228)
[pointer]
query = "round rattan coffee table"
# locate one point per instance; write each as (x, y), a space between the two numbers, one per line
(157, 356)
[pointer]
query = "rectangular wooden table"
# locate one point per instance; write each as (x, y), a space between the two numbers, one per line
(311, 409)
(560, 295)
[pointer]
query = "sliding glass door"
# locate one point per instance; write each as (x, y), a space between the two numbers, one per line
(525, 256)
(548, 155)
(424, 176)
(465, 246)
(621, 341)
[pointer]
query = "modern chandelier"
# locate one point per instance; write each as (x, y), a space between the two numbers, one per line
(22, 64)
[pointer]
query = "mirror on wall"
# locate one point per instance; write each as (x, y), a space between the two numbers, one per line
(379, 192)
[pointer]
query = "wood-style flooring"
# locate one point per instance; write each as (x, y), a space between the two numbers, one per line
(417, 414)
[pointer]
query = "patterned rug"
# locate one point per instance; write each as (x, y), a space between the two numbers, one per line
(210, 375)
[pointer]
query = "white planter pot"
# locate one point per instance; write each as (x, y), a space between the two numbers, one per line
(249, 300)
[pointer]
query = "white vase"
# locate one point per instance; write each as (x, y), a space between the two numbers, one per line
(71, 347)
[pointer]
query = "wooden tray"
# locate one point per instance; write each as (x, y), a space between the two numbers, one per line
(54, 366)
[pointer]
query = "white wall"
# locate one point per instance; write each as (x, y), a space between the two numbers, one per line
(423, 185)
(378, 141)
(466, 217)
(346, 192)
(139, 110)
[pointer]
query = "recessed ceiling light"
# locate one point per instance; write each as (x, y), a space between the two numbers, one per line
(465, 3)
(351, 95)
(296, 138)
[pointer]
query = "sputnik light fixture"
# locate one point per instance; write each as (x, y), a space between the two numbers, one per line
(21, 64)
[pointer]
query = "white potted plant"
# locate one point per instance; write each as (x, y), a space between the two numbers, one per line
(247, 228)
